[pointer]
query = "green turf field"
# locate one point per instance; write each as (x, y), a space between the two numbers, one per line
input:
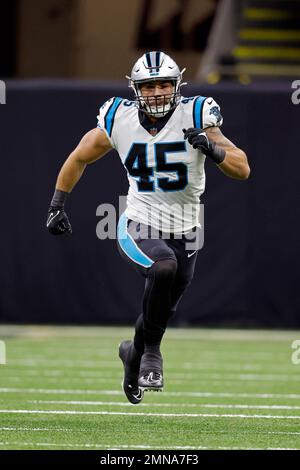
(224, 389)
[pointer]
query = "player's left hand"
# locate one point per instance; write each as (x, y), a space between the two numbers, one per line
(198, 139)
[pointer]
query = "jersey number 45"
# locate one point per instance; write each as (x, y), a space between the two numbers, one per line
(136, 164)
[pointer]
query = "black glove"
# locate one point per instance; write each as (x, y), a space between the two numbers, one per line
(199, 140)
(57, 221)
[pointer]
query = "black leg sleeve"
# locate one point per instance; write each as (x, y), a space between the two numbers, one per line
(157, 300)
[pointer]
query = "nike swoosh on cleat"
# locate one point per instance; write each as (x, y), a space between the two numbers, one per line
(139, 396)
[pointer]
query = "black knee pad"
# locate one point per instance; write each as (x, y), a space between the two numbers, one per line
(164, 269)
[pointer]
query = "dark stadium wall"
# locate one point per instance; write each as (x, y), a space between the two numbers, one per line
(247, 274)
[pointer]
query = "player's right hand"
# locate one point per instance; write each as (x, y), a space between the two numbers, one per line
(58, 222)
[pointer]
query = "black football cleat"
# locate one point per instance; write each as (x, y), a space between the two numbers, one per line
(130, 386)
(151, 372)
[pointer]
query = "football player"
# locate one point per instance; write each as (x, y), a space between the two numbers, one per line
(163, 140)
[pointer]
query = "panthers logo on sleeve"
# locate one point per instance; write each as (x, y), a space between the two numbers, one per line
(206, 112)
(215, 110)
(212, 116)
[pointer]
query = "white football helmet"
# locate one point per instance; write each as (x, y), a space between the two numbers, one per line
(151, 67)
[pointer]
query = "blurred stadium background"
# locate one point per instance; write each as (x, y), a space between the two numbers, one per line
(226, 388)
(61, 59)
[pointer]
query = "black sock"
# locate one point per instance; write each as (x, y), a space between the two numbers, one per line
(152, 349)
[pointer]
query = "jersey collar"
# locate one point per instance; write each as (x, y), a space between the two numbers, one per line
(154, 127)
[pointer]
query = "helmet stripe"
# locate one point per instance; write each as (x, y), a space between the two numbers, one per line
(157, 61)
(152, 58)
(148, 59)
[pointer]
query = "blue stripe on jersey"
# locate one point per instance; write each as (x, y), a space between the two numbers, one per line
(110, 115)
(129, 246)
(197, 112)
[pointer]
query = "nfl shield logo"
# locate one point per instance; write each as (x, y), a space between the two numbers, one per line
(153, 131)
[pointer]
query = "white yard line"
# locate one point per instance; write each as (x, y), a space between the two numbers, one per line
(73, 381)
(163, 415)
(14, 428)
(40, 361)
(190, 366)
(55, 373)
(69, 380)
(138, 446)
(51, 391)
(63, 362)
(167, 405)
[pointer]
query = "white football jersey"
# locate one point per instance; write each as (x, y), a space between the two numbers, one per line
(165, 173)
